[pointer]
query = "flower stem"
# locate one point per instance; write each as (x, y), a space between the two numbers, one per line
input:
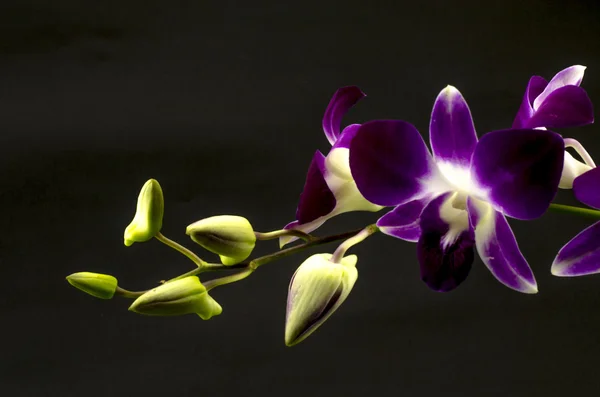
(292, 250)
(178, 247)
(128, 294)
(284, 232)
(249, 266)
(359, 237)
(575, 210)
(210, 284)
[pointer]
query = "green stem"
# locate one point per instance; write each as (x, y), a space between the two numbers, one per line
(210, 284)
(298, 248)
(178, 247)
(250, 266)
(359, 237)
(283, 232)
(575, 210)
(128, 294)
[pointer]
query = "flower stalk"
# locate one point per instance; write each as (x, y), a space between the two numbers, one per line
(247, 268)
(569, 209)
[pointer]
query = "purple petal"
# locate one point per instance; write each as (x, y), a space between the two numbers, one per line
(403, 221)
(569, 76)
(340, 103)
(580, 256)
(451, 129)
(316, 199)
(568, 106)
(519, 170)
(587, 188)
(390, 162)
(498, 248)
(534, 89)
(346, 136)
(445, 251)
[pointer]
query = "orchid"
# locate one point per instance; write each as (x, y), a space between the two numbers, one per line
(452, 200)
(465, 190)
(329, 189)
(560, 103)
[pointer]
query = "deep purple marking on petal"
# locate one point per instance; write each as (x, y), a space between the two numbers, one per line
(403, 221)
(535, 87)
(498, 248)
(443, 269)
(565, 107)
(316, 199)
(520, 169)
(389, 160)
(451, 130)
(338, 106)
(581, 255)
(586, 188)
(346, 136)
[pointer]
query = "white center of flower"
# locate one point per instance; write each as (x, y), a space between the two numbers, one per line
(458, 177)
(453, 212)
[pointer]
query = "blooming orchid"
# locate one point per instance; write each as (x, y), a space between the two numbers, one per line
(329, 189)
(466, 189)
(452, 200)
(560, 103)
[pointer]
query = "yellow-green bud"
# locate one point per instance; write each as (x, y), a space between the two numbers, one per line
(318, 287)
(148, 218)
(174, 298)
(231, 237)
(101, 286)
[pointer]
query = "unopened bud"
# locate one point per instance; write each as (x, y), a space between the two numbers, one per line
(318, 287)
(231, 237)
(101, 286)
(174, 298)
(148, 218)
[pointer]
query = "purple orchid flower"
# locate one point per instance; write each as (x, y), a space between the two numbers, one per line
(465, 189)
(560, 103)
(329, 189)
(581, 255)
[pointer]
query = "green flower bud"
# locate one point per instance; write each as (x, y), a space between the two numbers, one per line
(148, 218)
(174, 298)
(229, 236)
(318, 287)
(101, 286)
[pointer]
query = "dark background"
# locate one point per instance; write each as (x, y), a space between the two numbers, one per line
(222, 103)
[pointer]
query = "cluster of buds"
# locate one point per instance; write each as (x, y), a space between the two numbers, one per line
(318, 287)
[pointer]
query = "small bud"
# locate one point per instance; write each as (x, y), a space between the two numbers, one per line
(101, 286)
(174, 298)
(231, 237)
(316, 290)
(148, 218)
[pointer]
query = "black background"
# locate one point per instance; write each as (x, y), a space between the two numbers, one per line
(222, 103)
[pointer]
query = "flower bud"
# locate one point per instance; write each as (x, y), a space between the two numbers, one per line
(174, 298)
(148, 218)
(316, 290)
(231, 237)
(101, 286)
